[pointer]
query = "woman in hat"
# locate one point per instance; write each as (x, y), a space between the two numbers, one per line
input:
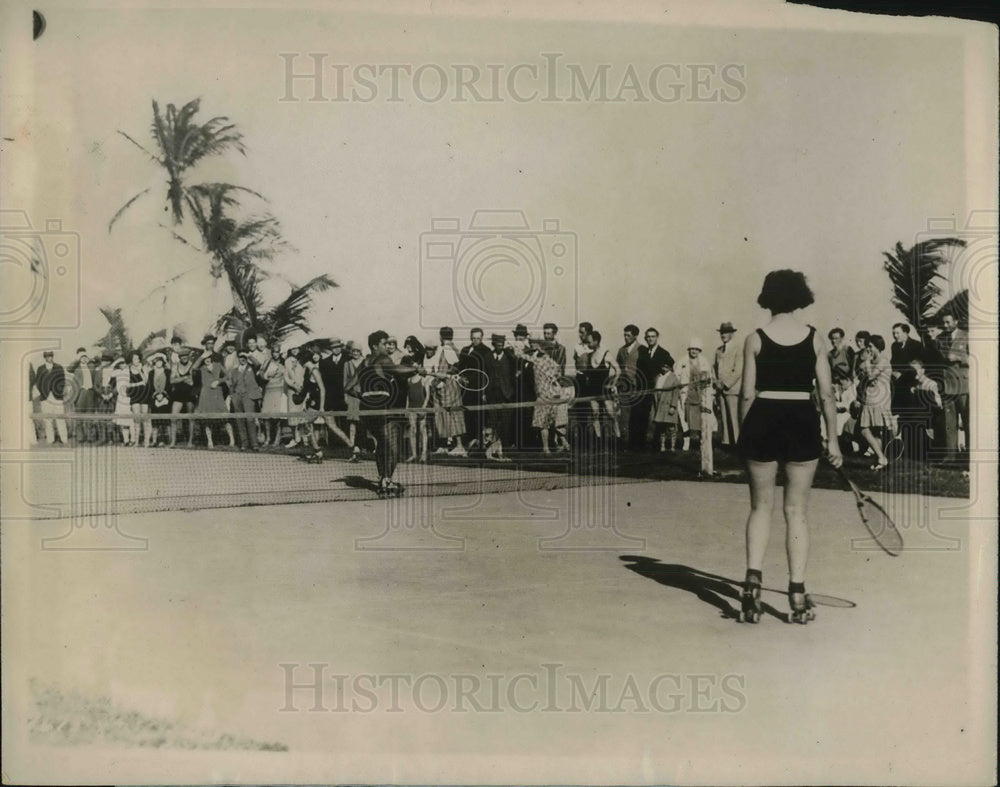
(123, 405)
(781, 429)
(182, 392)
(211, 399)
(696, 377)
(352, 395)
(449, 420)
(272, 373)
(547, 374)
(158, 385)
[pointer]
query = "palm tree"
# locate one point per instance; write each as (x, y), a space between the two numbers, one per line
(118, 339)
(181, 142)
(235, 246)
(912, 273)
(280, 321)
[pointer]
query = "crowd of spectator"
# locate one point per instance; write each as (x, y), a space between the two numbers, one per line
(636, 397)
(915, 390)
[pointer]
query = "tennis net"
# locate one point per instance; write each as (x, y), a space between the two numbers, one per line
(116, 463)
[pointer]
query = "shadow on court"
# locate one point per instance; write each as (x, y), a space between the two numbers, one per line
(715, 590)
(356, 482)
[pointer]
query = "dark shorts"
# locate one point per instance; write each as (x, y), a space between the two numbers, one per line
(778, 430)
(182, 392)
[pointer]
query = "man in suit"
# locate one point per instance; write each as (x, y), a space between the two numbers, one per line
(243, 391)
(474, 356)
(728, 369)
(953, 344)
(84, 394)
(50, 380)
(627, 359)
(650, 361)
(501, 366)
(524, 388)
(904, 349)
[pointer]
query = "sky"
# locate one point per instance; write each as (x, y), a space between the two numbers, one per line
(817, 151)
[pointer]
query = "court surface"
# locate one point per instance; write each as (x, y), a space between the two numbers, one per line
(595, 653)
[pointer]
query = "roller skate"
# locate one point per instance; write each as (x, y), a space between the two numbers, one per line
(388, 488)
(751, 597)
(802, 606)
(393, 488)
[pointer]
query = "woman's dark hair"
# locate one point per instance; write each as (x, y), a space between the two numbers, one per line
(133, 355)
(784, 291)
(416, 348)
(877, 342)
(595, 335)
(862, 335)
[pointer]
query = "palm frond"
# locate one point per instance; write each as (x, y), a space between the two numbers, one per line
(152, 156)
(125, 207)
(913, 274)
(117, 340)
(290, 315)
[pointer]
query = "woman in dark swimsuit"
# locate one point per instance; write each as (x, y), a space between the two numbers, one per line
(781, 427)
(182, 396)
(598, 374)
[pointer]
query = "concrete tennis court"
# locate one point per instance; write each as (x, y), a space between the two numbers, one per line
(195, 628)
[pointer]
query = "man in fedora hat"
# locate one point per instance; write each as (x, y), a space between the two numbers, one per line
(524, 387)
(244, 390)
(331, 373)
(728, 369)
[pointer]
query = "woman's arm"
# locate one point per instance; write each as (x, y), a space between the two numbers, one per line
(612, 365)
(748, 391)
(827, 400)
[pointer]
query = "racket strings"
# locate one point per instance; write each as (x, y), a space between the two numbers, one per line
(881, 526)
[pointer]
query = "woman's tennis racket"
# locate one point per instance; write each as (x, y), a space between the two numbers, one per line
(473, 380)
(874, 517)
(819, 599)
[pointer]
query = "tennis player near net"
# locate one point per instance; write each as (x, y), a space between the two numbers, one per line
(383, 385)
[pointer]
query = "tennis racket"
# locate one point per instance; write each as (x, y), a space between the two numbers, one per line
(875, 519)
(892, 447)
(474, 380)
(819, 599)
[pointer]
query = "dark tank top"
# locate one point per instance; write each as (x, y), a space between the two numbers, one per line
(786, 367)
